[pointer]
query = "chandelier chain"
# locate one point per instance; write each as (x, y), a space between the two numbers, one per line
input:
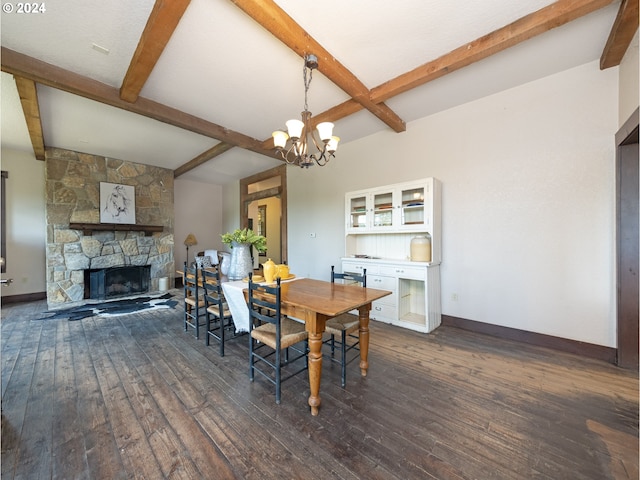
(307, 83)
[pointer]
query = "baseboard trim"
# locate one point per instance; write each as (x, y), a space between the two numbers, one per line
(589, 350)
(24, 297)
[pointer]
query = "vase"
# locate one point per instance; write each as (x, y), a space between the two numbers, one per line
(421, 248)
(241, 262)
(224, 262)
(269, 271)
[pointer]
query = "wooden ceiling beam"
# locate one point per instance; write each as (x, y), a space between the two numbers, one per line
(527, 27)
(31, 109)
(536, 23)
(622, 32)
(162, 22)
(56, 77)
(204, 157)
(275, 20)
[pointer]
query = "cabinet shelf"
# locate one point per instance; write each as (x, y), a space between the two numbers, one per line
(414, 302)
(89, 228)
(401, 207)
(413, 318)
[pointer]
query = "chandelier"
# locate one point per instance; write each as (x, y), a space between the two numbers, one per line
(301, 134)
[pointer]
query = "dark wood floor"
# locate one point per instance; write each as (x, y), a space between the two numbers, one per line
(137, 397)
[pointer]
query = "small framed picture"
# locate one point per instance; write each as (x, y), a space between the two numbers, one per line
(117, 203)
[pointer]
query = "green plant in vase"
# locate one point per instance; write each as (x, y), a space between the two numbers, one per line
(240, 241)
(245, 235)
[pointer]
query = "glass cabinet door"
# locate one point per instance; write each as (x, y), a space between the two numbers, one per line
(383, 209)
(357, 211)
(412, 206)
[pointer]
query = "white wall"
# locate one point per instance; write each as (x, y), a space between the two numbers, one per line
(198, 209)
(231, 208)
(528, 204)
(25, 223)
(628, 84)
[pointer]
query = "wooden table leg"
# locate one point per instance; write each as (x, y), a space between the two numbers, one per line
(363, 315)
(315, 370)
(315, 327)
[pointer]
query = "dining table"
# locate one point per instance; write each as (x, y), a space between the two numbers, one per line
(316, 301)
(312, 302)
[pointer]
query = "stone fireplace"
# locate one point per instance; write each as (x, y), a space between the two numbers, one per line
(105, 283)
(73, 198)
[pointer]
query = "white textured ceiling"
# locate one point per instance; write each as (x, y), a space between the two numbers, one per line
(220, 65)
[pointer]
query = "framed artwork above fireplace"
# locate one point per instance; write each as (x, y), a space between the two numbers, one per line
(117, 203)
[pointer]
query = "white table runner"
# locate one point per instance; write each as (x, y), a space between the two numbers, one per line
(233, 293)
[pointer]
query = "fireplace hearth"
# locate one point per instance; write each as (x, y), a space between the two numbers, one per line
(105, 283)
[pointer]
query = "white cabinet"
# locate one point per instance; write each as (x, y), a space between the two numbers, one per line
(415, 299)
(380, 224)
(378, 217)
(402, 207)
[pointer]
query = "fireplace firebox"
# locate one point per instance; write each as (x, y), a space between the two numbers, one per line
(104, 283)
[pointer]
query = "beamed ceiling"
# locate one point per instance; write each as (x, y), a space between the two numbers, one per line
(198, 86)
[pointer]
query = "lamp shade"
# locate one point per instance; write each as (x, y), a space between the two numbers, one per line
(332, 144)
(279, 138)
(325, 130)
(190, 241)
(294, 128)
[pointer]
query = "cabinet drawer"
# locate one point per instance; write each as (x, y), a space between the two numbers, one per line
(358, 267)
(380, 311)
(389, 299)
(382, 283)
(400, 271)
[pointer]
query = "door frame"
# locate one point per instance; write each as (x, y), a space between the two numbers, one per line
(280, 191)
(627, 243)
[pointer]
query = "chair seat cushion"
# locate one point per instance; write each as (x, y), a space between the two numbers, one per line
(216, 311)
(291, 332)
(191, 301)
(348, 323)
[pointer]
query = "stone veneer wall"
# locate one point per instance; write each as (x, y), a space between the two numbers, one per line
(73, 196)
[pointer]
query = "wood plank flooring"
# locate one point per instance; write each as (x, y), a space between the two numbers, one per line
(136, 397)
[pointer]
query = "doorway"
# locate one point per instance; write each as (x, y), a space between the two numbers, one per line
(627, 242)
(263, 208)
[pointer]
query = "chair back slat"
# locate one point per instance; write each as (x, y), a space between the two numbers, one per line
(190, 281)
(212, 287)
(348, 276)
(264, 298)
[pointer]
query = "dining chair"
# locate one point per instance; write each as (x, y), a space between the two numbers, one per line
(217, 312)
(194, 303)
(272, 335)
(344, 326)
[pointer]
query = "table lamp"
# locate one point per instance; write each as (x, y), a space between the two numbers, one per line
(190, 241)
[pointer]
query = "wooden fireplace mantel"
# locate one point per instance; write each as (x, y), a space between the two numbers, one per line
(89, 228)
